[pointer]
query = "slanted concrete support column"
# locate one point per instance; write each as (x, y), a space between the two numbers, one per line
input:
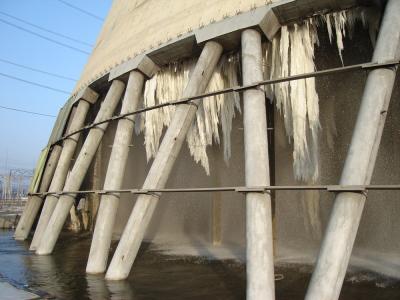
(333, 259)
(34, 202)
(102, 235)
(63, 166)
(159, 172)
(259, 250)
(79, 170)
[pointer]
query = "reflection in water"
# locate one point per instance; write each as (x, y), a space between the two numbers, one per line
(121, 290)
(154, 277)
(98, 288)
(158, 276)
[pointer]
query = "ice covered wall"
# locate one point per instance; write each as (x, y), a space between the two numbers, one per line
(184, 221)
(291, 52)
(214, 114)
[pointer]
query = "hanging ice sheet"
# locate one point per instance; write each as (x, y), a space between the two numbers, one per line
(291, 52)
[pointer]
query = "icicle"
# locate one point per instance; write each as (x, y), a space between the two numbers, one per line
(344, 22)
(283, 100)
(293, 53)
(340, 22)
(327, 19)
(153, 124)
(298, 98)
(213, 113)
(230, 102)
(339, 19)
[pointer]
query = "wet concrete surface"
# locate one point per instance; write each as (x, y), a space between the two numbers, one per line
(155, 276)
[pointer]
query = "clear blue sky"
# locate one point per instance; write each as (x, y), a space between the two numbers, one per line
(22, 136)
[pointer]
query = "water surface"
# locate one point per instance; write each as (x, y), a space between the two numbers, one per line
(156, 276)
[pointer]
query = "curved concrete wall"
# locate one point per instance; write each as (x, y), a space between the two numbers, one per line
(132, 27)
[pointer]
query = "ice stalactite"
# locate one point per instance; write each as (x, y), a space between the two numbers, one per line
(343, 22)
(166, 85)
(214, 112)
(292, 53)
(337, 22)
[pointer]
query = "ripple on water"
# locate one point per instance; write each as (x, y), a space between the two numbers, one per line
(156, 276)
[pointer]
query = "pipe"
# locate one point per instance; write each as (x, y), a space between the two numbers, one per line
(61, 172)
(145, 205)
(79, 170)
(35, 202)
(102, 235)
(334, 256)
(259, 242)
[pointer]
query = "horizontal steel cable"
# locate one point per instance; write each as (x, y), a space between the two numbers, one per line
(357, 67)
(237, 189)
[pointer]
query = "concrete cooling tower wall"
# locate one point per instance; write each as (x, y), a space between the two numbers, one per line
(133, 27)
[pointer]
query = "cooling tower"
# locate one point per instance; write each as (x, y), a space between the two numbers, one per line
(172, 152)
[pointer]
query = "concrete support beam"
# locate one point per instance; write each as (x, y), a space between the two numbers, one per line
(102, 235)
(79, 170)
(228, 31)
(95, 174)
(292, 11)
(34, 202)
(141, 63)
(87, 94)
(259, 249)
(337, 245)
(145, 205)
(63, 167)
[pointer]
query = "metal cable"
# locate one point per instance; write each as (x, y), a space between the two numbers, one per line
(358, 67)
(43, 37)
(26, 111)
(81, 10)
(36, 70)
(46, 29)
(237, 189)
(34, 83)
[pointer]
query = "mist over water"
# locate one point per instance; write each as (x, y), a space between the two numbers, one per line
(156, 276)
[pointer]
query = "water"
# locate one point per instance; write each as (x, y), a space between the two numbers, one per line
(156, 276)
